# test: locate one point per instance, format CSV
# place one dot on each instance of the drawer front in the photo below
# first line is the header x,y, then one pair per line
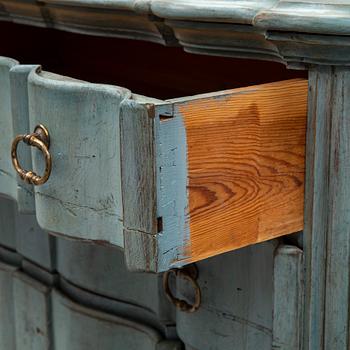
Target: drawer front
x,y
172,182
32,313
7,222
33,243
14,120
78,327
237,301
82,199
102,271
7,329
36,316
21,233
7,175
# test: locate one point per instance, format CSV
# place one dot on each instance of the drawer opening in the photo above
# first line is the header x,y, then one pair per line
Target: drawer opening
x,y
145,68
171,179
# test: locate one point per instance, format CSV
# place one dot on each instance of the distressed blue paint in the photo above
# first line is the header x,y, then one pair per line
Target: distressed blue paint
x,y
20,122
327,210
8,181
82,197
172,180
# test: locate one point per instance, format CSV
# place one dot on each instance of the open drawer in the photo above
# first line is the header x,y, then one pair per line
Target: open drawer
x,y
171,182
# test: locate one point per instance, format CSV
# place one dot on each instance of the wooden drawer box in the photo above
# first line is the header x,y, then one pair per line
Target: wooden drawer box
x,y
171,182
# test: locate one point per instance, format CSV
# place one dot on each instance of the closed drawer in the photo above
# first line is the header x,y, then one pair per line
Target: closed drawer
x,y
78,327
7,318
39,317
171,182
32,313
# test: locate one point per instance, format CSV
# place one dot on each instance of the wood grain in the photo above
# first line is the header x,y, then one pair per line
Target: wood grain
x,y
327,211
246,163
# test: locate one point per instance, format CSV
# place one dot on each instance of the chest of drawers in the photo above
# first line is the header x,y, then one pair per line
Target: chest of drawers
x,y
124,185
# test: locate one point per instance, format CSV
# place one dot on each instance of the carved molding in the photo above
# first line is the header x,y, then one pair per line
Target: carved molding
x,y
236,28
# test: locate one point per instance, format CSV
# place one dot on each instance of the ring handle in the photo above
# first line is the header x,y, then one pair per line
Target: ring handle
x,y
190,274
40,139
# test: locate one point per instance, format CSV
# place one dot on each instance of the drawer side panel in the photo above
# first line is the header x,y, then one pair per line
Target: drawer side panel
x,y
245,159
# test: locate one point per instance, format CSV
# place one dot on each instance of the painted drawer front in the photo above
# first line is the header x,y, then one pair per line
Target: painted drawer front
x,y
77,327
38,316
82,199
20,232
7,320
7,174
240,315
7,222
101,270
33,243
14,120
32,313
172,182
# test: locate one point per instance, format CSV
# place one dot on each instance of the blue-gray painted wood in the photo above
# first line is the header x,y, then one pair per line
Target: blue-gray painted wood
x,y
123,307
82,197
7,320
20,123
139,204
32,313
289,15
14,120
154,215
33,243
28,302
39,273
172,190
237,301
302,51
8,181
235,28
327,210
288,281
307,16
224,39
238,11
101,270
10,256
7,223
21,233
77,327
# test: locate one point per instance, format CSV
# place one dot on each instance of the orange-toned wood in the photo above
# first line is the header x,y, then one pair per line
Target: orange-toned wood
x,y
246,150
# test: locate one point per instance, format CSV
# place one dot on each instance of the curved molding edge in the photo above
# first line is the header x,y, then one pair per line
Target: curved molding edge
x,y
222,27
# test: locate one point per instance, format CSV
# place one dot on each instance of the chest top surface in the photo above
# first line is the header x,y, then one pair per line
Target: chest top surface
x,y
293,32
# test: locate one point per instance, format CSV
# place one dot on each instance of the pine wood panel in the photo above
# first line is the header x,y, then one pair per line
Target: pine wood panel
x,y
245,153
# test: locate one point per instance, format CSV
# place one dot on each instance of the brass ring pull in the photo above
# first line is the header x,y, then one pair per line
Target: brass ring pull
x,y
40,139
190,274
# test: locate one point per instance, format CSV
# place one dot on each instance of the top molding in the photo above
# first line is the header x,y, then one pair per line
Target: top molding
x,y
260,29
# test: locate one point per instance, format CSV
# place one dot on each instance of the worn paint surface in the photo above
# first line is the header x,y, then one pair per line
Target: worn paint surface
x,y
239,28
8,181
77,327
32,313
7,319
82,198
288,292
327,210
20,123
237,301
